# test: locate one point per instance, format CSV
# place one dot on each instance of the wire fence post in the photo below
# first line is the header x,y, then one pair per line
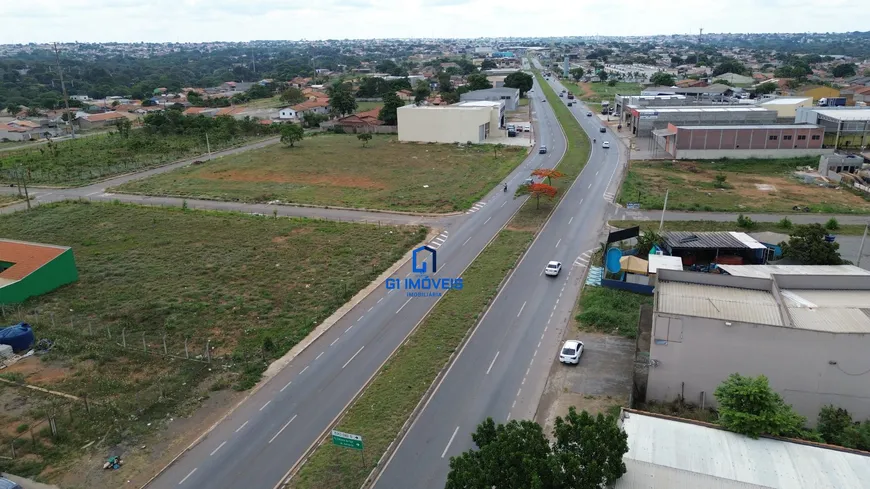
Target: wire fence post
x,y
90,329
108,332
123,338
144,346
208,351
13,448
165,351
52,318
186,353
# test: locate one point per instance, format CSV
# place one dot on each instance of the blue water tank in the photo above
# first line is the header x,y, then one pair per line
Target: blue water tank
x,y
19,336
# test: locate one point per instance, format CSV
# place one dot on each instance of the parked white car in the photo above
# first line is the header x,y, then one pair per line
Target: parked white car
x,y
571,351
553,268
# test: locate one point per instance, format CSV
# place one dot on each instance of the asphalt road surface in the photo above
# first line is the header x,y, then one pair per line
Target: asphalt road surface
x,y
502,370
259,442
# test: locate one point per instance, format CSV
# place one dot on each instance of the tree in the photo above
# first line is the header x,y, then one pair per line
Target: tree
x,y
602,75
450,97
444,83
836,427
477,81
807,245
341,101
421,92
691,59
662,79
588,450
292,96
676,60
748,405
547,173
13,109
730,65
313,119
844,70
388,114
576,73
488,64
646,241
765,88
291,133
124,126
523,81
365,138
148,103
536,191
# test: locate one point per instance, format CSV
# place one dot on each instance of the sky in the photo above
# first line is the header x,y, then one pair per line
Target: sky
x,y
244,20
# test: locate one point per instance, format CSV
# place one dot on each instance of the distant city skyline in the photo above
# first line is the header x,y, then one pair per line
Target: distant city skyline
x,y
42,21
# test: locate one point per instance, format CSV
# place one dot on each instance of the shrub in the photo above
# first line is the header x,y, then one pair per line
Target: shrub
x,y
785,223
745,222
832,225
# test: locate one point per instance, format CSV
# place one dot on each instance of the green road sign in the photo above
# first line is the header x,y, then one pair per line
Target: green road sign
x,y
347,440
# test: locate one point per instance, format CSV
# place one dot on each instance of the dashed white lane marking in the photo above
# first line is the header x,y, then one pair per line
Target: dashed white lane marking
x,y
348,329
569,220
492,363
354,356
283,428
503,203
285,386
508,417
590,186
243,425
539,344
518,391
487,220
379,300
581,201
405,304
370,309
557,242
318,356
527,371
360,318
523,382
335,341
264,405
218,448
187,476
597,172
304,369
535,354
467,240
449,442
521,309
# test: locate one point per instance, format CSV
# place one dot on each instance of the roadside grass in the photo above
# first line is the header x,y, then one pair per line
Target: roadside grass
x,y
253,286
708,226
524,102
364,106
336,170
596,92
529,217
266,103
610,311
385,405
80,161
753,185
9,198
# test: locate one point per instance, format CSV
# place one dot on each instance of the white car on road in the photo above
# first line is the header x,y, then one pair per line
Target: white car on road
x,y
605,144
571,351
553,268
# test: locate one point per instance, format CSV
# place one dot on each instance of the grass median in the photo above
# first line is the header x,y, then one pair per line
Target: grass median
x,y
385,405
531,217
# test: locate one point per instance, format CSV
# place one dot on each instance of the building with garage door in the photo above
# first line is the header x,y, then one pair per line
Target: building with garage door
x,y
808,332
32,269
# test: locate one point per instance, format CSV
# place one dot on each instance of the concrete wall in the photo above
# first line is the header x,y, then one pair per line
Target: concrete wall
x,y
788,110
445,124
56,273
510,103
715,154
808,368
749,138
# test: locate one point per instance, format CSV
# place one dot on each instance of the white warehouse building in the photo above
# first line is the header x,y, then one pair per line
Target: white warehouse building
x,y
459,123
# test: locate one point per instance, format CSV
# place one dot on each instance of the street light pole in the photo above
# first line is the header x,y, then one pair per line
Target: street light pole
x,y
664,207
861,248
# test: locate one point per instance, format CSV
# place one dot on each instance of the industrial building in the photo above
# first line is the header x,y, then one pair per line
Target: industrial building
x,y
845,127
809,333
32,269
510,96
643,120
465,122
668,452
786,107
620,102
711,93
754,141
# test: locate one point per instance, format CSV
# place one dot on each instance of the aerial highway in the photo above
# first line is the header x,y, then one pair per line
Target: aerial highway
x,y
256,445
502,369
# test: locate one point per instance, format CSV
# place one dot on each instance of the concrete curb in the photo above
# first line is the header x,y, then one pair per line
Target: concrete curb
x,y
276,366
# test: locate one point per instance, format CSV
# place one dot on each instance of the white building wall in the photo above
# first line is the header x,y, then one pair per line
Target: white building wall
x,y
444,124
809,369
788,110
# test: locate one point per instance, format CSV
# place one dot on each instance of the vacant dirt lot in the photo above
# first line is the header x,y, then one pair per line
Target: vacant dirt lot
x,y
749,186
337,170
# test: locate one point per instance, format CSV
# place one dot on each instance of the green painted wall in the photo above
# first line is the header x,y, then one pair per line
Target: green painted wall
x,y
56,273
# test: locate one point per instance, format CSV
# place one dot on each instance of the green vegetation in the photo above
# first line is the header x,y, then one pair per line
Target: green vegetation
x,y
532,215
364,106
808,246
272,102
165,138
380,412
751,185
183,274
596,92
784,226
6,199
335,170
611,311
747,405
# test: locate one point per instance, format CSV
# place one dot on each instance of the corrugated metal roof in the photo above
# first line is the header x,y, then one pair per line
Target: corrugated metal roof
x,y
704,109
645,475
835,311
748,240
749,127
850,114
689,239
667,262
718,453
765,271
710,301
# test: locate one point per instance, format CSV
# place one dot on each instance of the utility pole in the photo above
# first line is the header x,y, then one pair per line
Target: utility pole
x,y
207,145
861,248
664,207
65,95
254,59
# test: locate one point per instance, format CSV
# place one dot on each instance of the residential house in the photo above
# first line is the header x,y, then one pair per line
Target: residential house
x,y
25,130
297,111
856,93
734,78
817,92
80,98
93,121
300,82
406,95
362,122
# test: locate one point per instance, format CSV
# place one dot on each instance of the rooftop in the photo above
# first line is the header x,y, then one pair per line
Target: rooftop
x,y
713,89
787,100
25,258
717,302
765,271
725,239
848,114
705,109
688,454
775,127
478,103
494,91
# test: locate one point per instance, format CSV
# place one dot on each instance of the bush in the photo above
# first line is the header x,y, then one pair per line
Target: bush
x,y
832,225
745,222
719,181
748,405
785,223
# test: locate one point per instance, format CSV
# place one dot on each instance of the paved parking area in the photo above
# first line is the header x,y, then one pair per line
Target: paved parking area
x,y
602,378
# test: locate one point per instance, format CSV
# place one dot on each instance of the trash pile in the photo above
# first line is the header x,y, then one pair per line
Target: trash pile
x,y
113,463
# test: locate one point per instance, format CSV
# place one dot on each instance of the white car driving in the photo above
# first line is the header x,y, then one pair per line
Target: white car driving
x,y
605,144
553,268
571,351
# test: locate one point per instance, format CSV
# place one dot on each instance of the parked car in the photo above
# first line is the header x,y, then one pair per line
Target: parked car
x,y
553,268
605,144
542,150
571,351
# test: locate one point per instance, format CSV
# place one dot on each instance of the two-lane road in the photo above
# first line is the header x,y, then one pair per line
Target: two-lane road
x,y
256,445
502,370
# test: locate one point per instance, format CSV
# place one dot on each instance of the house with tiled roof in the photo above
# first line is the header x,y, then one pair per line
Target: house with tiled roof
x,y
361,122
297,111
230,111
300,82
91,121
